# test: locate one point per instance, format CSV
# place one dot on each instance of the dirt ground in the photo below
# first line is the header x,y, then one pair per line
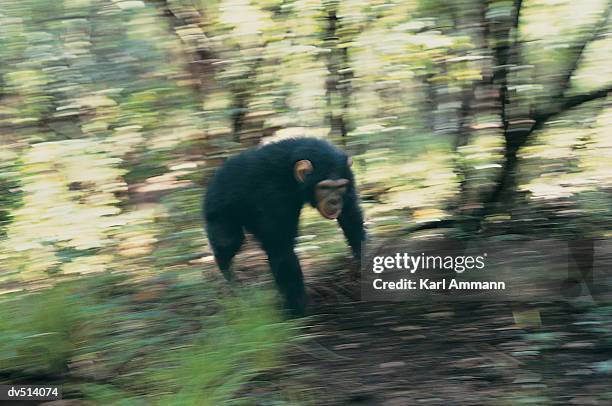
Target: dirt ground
x,y
442,352
457,353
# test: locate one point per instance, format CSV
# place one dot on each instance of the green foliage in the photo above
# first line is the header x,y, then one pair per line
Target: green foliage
x,y
39,332
248,339
89,324
10,193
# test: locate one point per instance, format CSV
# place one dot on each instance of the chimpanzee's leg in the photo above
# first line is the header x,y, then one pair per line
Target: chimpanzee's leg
x,y
226,239
277,231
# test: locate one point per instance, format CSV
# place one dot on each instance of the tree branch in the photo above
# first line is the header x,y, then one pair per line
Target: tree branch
x,y
431,225
578,51
61,18
569,103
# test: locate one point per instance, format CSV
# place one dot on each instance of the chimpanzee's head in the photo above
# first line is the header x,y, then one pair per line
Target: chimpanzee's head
x,y
326,182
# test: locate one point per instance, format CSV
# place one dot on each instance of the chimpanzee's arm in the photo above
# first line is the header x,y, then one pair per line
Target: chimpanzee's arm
x,y
351,222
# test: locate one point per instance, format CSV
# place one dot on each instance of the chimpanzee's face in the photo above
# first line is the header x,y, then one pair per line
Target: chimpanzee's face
x,y
328,193
329,196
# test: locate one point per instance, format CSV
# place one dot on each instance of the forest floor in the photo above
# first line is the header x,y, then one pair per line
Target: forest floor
x,y
438,352
428,350
459,353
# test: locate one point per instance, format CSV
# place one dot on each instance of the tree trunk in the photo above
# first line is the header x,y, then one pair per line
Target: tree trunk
x,y
338,83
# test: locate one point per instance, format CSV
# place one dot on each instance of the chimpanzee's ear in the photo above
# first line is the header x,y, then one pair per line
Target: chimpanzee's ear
x,y
301,169
349,161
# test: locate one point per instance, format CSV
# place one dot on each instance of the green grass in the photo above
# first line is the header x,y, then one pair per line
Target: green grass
x,y
188,345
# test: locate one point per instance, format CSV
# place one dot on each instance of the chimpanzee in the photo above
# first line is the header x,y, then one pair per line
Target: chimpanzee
x,y
262,190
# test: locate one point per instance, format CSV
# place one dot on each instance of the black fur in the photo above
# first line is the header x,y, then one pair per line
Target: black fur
x,y
257,191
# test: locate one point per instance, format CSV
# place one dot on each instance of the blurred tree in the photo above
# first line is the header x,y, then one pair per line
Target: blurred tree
x,y
338,82
505,90
520,121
